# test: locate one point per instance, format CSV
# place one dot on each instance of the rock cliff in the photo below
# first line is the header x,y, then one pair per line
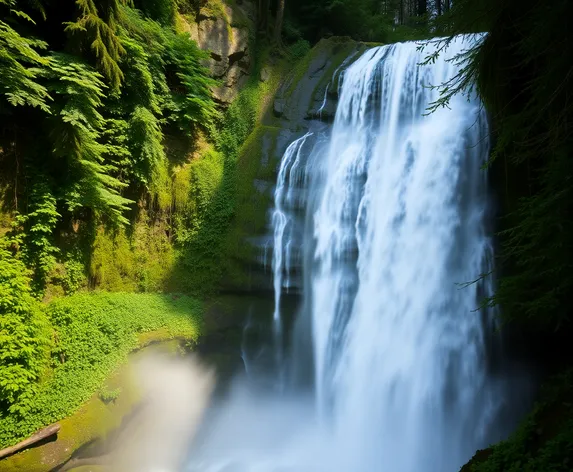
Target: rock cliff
x,y
226,33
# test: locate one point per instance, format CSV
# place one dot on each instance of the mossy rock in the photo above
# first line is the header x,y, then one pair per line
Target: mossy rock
x,y
304,89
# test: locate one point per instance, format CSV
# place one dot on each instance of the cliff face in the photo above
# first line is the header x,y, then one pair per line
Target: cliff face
x,y
226,32
290,113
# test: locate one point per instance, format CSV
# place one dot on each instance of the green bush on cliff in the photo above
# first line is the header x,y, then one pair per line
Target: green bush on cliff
x,y
544,440
85,111
92,335
202,228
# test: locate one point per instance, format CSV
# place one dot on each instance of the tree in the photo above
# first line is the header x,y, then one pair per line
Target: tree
x,y
279,21
263,16
97,26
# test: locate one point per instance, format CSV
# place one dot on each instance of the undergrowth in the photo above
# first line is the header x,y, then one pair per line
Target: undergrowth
x,y
92,335
544,440
202,229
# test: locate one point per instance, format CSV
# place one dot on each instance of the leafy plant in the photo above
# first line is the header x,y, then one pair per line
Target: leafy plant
x,y
108,396
20,63
34,232
93,333
24,337
96,26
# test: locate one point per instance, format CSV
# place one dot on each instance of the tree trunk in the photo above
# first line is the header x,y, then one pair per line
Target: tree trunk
x,y
279,21
439,7
422,7
263,16
36,437
447,5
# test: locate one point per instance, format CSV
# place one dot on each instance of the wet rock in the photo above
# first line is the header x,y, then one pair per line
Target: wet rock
x,y
323,111
279,108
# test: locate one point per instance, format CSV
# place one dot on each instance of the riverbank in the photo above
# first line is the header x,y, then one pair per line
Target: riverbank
x,y
87,385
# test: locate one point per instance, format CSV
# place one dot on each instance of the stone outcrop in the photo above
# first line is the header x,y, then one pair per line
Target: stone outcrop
x,y
304,102
224,32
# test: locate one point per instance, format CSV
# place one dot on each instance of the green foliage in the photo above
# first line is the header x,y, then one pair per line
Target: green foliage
x,y
192,101
239,120
96,26
98,146
108,396
201,228
136,262
544,440
522,73
162,11
145,138
74,134
20,64
74,274
299,49
167,73
34,232
365,20
93,333
23,337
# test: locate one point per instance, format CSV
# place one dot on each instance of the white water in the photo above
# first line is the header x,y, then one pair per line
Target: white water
x,y
396,221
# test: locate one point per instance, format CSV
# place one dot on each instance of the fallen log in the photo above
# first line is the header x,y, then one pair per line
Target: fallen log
x,y
35,438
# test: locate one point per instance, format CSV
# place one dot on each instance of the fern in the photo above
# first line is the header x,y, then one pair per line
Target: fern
x,y
192,98
34,232
20,64
96,25
146,146
75,135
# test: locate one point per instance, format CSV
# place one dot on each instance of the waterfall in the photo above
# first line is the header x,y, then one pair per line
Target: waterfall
x,y
395,207
402,212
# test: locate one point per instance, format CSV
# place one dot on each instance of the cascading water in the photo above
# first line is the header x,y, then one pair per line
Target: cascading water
x,y
288,181
396,213
402,211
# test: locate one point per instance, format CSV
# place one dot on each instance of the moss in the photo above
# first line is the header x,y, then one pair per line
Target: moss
x,y
136,262
210,244
340,46
257,161
215,8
